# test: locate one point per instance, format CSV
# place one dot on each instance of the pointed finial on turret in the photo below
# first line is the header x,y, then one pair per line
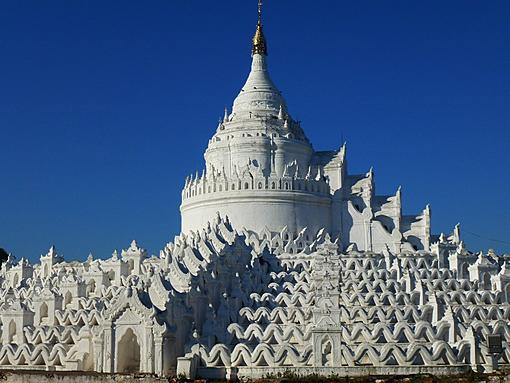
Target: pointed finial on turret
x,y
225,116
342,152
398,195
456,233
280,113
259,41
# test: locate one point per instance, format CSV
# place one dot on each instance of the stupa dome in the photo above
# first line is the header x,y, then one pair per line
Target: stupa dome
x,y
259,97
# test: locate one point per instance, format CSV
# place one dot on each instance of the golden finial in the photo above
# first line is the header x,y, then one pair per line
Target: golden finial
x,y
259,41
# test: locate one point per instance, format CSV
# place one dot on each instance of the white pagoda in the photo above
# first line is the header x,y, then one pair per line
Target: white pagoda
x,y
286,262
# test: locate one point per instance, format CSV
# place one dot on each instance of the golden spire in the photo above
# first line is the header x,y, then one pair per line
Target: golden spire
x,y
259,41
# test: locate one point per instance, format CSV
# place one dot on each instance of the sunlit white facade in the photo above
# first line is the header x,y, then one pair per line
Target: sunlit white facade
x,y
285,262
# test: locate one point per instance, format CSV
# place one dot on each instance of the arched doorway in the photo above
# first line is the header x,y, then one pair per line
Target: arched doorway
x,y
12,332
91,287
43,313
327,352
464,272
128,354
68,297
487,281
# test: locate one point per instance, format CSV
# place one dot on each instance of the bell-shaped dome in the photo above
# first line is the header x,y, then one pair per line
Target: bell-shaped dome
x,y
259,97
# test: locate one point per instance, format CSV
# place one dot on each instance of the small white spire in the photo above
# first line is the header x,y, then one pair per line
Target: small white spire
x,y
456,233
52,252
343,150
370,173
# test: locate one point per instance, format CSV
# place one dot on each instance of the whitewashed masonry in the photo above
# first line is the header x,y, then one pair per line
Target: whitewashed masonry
x,y
285,262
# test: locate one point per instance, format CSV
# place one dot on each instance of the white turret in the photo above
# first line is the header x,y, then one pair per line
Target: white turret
x,y
272,178
265,156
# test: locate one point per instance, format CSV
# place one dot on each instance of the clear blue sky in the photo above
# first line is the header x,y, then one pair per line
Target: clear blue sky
x,y
106,106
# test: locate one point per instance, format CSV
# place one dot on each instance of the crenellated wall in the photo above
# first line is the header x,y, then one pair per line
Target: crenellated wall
x,y
272,202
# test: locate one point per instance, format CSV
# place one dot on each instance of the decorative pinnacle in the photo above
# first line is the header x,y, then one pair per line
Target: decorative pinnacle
x,y
259,41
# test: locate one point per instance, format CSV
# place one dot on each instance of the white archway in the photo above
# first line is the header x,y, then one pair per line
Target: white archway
x,y
327,352
487,281
128,353
91,287
12,332
68,297
43,313
464,272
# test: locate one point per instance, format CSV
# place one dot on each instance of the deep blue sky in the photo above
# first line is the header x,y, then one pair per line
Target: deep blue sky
x,y
106,106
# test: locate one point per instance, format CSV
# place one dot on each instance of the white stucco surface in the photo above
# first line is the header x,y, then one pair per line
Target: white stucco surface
x,y
286,261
